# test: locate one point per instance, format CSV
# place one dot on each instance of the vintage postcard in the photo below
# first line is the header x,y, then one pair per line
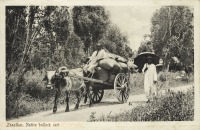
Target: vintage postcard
x,y
100,64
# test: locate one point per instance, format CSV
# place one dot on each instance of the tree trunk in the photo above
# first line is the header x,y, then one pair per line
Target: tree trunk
x,y
21,68
13,42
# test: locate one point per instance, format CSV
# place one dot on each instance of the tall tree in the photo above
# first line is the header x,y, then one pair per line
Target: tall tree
x,y
90,22
172,34
15,36
22,29
72,46
60,24
146,45
60,30
55,31
115,41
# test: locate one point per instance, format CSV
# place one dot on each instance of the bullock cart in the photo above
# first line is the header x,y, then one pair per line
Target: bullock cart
x,y
118,81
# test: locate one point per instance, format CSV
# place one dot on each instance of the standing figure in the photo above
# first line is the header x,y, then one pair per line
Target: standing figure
x,y
150,79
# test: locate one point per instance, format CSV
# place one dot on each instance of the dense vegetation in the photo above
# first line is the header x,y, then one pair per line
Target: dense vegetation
x,y
171,107
172,35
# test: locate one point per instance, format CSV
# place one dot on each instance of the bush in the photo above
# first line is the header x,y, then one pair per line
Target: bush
x,y
26,105
32,96
171,107
10,104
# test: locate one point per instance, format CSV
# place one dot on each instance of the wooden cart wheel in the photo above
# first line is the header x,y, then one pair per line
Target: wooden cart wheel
x,y
97,95
121,87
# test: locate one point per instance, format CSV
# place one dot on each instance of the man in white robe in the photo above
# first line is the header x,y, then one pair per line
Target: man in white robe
x,y
97,55
150,79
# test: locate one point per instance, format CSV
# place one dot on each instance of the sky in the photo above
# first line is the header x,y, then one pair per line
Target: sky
x,y
135,21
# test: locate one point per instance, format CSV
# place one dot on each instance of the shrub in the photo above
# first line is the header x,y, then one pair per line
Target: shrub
x,y
32,96
171,107
26,105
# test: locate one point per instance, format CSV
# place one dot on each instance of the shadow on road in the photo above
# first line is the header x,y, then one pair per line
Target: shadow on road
x,y
104,103
136,103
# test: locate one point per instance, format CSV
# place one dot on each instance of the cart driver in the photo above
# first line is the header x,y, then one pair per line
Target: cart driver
x,y
91,64
97,55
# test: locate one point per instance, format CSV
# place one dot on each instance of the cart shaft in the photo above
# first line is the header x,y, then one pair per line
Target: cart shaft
x,y
90,79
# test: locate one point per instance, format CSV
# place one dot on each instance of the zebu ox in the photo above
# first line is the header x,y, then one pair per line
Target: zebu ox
x,y
62,82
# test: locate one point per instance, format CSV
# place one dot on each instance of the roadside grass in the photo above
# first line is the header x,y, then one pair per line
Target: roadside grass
x,y
171,107
34,97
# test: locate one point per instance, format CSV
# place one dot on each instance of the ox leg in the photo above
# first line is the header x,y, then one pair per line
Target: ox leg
x,y
90,98
78,97
87,91
67,101
56,100
85,98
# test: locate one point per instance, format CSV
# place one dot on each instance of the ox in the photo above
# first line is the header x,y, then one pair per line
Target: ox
x,y
62,82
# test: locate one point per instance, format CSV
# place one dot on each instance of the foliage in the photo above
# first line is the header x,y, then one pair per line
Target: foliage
x,y
90,22
27,105
33,96
15,36
115,41
46,32
74,45
171,107
145,46
172,33
61,24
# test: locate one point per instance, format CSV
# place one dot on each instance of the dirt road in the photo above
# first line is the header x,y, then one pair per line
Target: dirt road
x,y
105,107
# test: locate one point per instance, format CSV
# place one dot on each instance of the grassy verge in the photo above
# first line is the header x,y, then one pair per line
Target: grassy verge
x,y
171,107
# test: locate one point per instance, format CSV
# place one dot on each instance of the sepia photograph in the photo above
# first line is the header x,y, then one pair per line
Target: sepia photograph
x,y
99,63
